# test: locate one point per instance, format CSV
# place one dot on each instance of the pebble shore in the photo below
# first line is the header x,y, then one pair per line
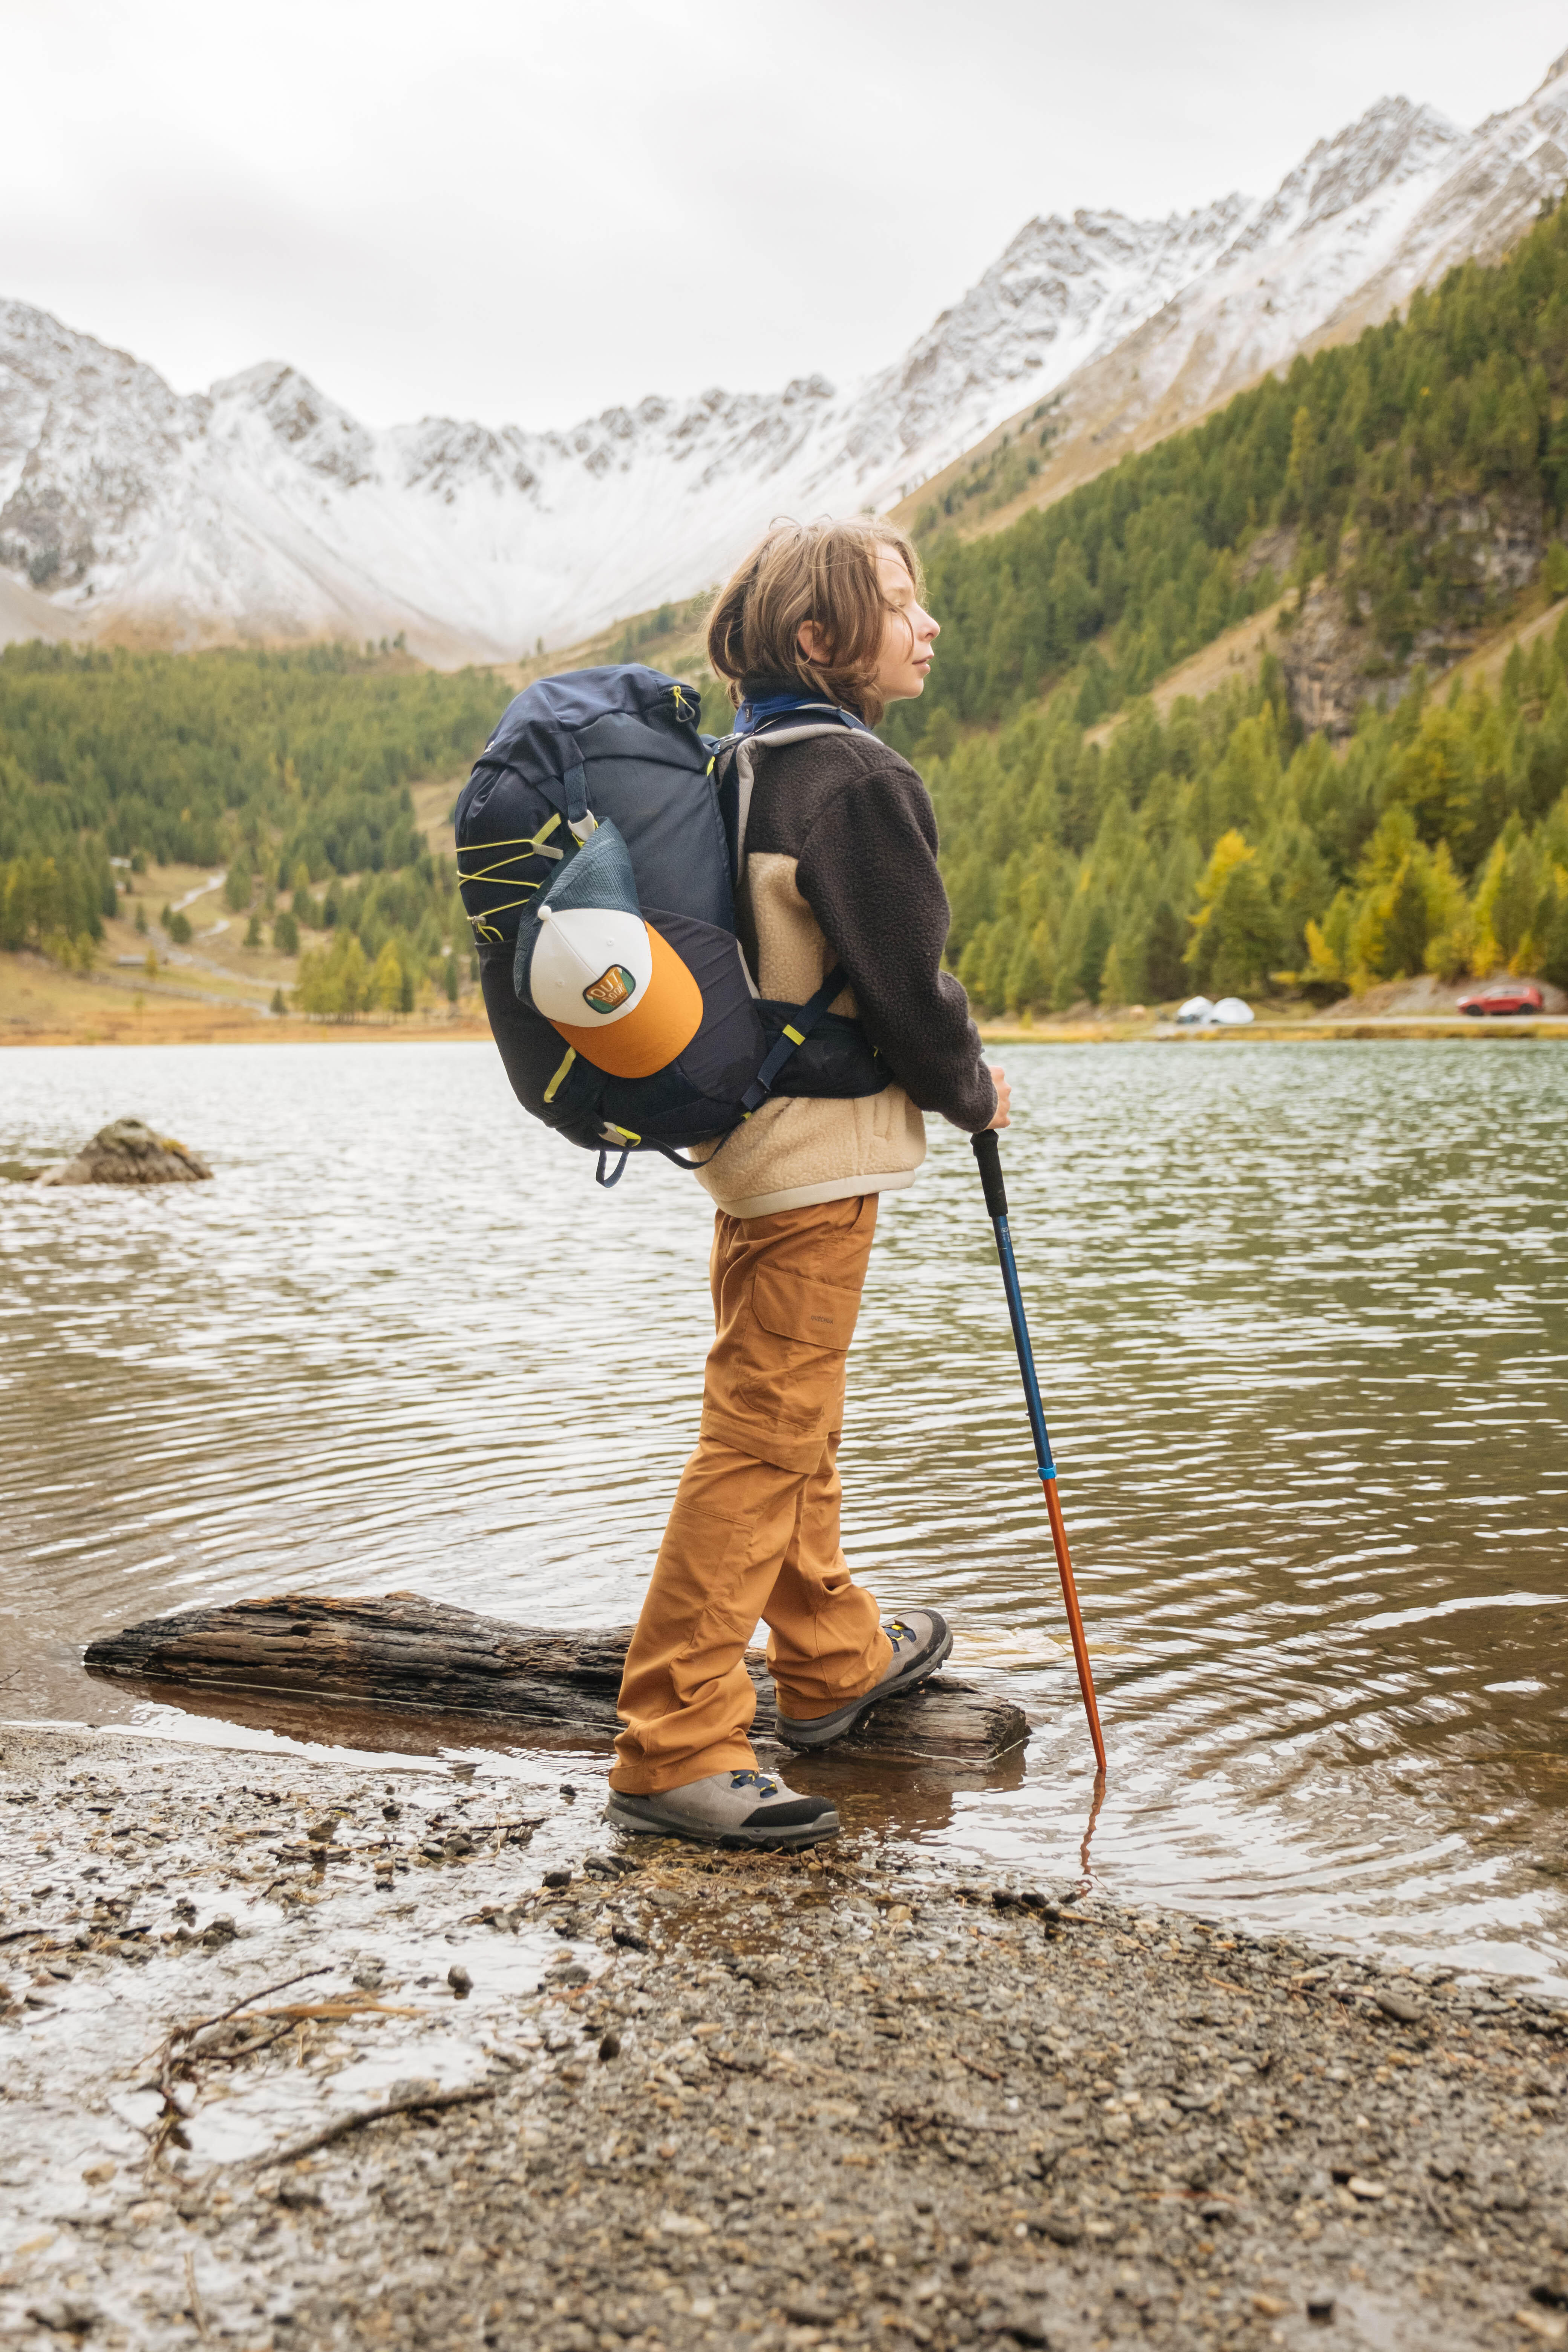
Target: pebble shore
x,y
299,2055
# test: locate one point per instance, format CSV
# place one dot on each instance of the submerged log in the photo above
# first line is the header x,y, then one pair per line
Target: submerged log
x,y
127,1151
401,1651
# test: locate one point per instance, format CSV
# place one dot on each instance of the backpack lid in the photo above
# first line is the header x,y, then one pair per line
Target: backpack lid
x,y
619,743
539,730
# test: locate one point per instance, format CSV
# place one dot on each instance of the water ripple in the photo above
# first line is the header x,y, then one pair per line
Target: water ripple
x,y
1302,1322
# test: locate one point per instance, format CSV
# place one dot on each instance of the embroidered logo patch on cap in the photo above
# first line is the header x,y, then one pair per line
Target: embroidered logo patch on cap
x,y
611,990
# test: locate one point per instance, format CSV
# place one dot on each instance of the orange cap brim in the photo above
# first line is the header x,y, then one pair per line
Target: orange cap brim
x,y
650,1036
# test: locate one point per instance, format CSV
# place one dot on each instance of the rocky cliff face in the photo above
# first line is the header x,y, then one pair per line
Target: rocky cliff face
x,y
262,509
1331,659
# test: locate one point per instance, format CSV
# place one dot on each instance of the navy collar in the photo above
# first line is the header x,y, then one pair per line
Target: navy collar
x,y
768,708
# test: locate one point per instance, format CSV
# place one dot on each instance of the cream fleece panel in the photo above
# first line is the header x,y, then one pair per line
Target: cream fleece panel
x,y
801,1148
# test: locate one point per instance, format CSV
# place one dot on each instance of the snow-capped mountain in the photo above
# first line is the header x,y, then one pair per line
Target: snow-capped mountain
x,y
1366,218
261,509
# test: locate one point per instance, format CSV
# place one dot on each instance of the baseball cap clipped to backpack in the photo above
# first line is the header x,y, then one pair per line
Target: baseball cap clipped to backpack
x,y
607,982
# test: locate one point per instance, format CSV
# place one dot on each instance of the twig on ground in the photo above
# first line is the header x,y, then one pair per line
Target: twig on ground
x,y
197,2314
244,2049
354,2123
187,2033
178,2053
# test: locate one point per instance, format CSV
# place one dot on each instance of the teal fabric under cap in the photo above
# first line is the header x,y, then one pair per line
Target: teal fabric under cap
x,y
597,875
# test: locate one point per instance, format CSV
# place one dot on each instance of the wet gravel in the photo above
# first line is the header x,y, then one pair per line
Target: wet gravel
x,y
639,2096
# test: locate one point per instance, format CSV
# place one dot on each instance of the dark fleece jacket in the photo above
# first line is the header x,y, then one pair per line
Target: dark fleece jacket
x,y
840,867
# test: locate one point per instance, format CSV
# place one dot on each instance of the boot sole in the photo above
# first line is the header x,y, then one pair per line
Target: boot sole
x,y
829,1727
694,1833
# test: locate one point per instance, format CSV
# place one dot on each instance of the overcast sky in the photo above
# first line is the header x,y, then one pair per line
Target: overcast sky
x,y
528,211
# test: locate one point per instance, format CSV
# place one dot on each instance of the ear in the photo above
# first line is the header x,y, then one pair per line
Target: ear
x,y
812,643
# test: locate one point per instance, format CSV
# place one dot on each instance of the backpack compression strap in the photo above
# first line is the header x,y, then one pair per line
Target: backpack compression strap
x,y
796,1033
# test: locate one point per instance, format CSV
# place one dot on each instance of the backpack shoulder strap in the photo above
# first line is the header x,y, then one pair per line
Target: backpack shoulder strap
x,y
743,750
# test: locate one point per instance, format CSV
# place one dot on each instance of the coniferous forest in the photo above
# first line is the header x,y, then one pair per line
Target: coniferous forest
x,y
1395,481
1398,497
290,769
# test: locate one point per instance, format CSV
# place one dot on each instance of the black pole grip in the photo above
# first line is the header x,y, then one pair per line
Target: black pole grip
x,y
988,1159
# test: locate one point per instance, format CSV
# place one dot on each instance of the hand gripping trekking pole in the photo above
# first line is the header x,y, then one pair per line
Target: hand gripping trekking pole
x,y
988,1155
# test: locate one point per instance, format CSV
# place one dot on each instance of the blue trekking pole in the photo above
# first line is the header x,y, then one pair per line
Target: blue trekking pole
x,y
988,1157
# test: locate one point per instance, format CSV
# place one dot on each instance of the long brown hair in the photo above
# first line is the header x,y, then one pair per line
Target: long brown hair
x,y
823,572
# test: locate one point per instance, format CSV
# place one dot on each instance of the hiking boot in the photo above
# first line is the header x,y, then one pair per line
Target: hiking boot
x,y
921,1642
729,1809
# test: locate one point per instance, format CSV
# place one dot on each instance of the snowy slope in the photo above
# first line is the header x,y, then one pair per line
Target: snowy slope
x,y
260,509
1389,205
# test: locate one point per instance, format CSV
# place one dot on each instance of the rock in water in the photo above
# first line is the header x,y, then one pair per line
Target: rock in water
x,y
128,1152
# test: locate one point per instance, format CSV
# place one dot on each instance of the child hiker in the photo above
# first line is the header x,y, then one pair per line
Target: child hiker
x,y
839,869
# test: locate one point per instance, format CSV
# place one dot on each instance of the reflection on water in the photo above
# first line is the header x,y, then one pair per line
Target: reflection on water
x,y
1301,1317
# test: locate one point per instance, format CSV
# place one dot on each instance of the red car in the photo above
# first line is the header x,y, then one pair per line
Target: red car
x,y
1504,996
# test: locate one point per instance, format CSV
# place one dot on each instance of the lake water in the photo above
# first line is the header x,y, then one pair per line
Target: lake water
x,y
1301,1314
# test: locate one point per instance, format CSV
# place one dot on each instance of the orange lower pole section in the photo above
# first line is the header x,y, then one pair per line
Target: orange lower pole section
x,y
1075,1621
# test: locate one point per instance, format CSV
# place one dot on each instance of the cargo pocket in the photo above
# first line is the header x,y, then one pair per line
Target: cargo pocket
x,y
794,1306
785,1384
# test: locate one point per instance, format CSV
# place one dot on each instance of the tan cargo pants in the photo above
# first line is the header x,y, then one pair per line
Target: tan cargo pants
x,y
755,1530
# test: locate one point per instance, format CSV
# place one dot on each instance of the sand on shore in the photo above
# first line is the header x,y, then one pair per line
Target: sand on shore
x,y
42,1006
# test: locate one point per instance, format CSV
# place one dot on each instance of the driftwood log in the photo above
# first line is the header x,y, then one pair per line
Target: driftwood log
x,y
405,1652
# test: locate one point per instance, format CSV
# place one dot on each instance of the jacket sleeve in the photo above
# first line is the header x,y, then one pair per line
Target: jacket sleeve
x,y
867,871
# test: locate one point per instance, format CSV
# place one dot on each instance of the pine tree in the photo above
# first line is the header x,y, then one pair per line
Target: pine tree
x,y
1167,973
1513,904
1246,934
1404,925
1096,948
1552,919
386,980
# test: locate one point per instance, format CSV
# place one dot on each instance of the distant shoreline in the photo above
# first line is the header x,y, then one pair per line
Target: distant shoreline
x,y
210,1028
256,1031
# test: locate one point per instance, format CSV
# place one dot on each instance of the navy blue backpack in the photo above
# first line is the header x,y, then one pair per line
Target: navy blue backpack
x,y
621,747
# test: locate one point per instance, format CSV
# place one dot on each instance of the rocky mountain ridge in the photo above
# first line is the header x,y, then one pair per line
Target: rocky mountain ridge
x,y
1387,205
263,509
